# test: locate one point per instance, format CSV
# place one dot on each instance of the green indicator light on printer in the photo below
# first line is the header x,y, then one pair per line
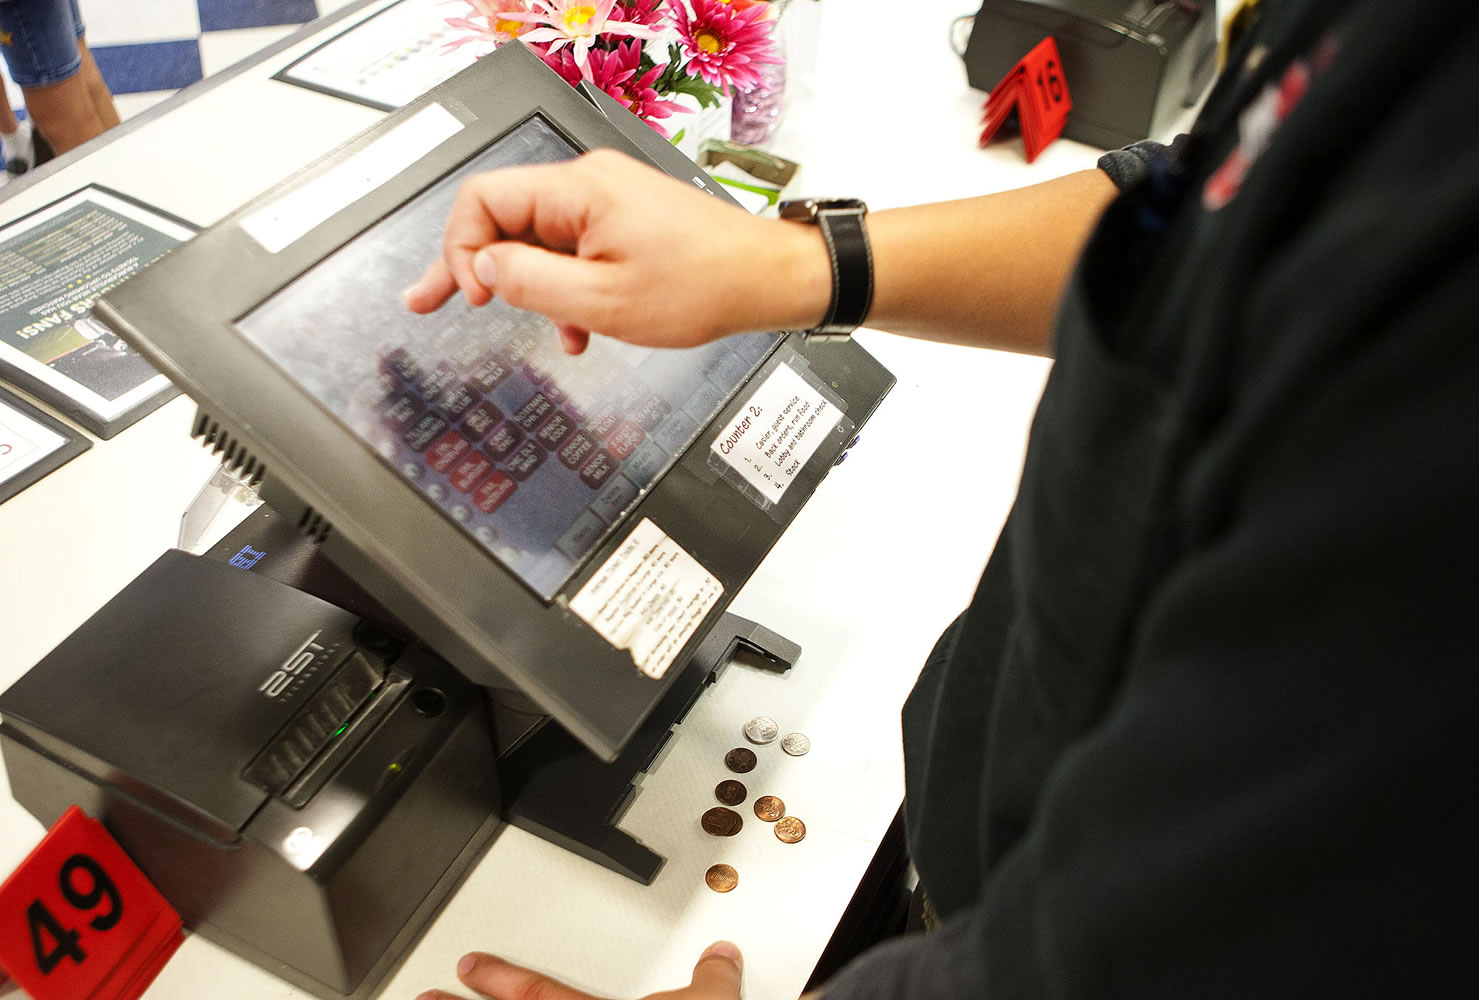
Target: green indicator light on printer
x,y
340,730
395,769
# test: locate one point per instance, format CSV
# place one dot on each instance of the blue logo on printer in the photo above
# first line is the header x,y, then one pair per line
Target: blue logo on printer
x,y
246,558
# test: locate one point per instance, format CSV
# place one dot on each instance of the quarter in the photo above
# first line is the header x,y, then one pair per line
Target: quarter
x,y
721,822
740,760
721,878
790,830
769,808
730,792
796,744
762,730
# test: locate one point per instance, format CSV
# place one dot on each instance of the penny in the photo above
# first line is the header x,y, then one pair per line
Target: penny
x,y
740,760
762,730
769,808
789,829
796,744
730,792
721,822
721,878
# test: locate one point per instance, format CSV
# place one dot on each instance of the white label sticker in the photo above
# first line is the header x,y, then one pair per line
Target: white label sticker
x,y
648,598
296,212
780,427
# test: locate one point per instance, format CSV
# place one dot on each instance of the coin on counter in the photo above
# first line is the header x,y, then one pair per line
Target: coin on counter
x,y
769,808
740,760
796,744
721,822
730,792
762,730
721,878
789,829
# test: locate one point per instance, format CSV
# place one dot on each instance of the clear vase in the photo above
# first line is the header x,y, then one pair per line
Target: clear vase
x,y
758,112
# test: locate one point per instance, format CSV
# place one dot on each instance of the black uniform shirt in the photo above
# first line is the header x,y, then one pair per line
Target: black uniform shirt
x,y
1208,726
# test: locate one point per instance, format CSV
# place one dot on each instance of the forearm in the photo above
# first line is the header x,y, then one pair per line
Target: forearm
x,y
985,271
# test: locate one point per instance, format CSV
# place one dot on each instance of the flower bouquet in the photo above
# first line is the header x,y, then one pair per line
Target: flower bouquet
x,y
641,52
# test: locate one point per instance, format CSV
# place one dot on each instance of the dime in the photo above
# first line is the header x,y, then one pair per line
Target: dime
x,y
789,829
721,822
740,760
730,792
796,744
762,730
721,878
769,808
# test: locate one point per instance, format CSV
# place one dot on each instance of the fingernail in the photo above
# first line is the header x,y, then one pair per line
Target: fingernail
x,y
725,949
466,964
484,268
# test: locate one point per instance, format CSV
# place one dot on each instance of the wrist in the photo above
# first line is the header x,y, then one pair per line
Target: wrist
x,y
802,277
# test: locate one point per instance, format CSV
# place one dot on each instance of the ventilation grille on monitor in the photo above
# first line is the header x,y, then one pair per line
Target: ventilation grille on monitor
x,y
234,455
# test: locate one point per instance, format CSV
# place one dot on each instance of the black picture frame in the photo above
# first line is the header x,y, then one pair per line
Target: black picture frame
x,y
56,386
72,444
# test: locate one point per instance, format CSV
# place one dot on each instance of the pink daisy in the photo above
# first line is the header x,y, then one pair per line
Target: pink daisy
x,y
724,44
647,12
615,72
576,23
488,22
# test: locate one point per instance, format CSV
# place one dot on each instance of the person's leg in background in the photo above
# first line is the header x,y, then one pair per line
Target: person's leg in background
x,y
65,94
17,148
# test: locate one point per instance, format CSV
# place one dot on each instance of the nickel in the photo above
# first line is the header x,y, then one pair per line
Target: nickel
x,y
796,744
790,830
762,730
721,878
721,822
740,760
730,792
769,808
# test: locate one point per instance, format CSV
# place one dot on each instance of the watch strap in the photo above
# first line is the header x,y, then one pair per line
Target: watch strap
x,y
846,237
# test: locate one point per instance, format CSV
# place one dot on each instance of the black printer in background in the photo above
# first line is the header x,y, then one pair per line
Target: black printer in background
x,y
1132,66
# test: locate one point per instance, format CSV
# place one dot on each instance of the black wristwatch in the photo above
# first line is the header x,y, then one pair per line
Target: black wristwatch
x,y
841,222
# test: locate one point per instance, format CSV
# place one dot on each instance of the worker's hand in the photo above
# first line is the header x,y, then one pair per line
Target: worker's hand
x,y
608,244
715,977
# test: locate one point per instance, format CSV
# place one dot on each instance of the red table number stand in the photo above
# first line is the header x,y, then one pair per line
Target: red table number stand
x,y
78,921
1036,90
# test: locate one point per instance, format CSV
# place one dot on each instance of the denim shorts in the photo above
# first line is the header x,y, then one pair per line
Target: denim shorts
x,y
39,39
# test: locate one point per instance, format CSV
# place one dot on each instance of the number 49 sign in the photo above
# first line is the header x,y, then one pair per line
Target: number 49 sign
x,y
79,920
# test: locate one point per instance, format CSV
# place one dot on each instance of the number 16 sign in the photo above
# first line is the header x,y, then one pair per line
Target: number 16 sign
x,y
1036,90
78,921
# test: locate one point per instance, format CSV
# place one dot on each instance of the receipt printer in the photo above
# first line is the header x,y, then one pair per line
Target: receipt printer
x,y
1131,65
301,787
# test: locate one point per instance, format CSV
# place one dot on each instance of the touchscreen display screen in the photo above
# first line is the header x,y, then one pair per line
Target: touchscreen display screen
x,y
534,453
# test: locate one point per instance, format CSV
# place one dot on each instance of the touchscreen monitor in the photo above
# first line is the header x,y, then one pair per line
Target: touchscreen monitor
x,y
570,527
535,454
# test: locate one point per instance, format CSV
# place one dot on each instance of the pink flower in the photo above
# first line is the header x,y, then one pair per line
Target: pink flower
x,y
576,23
488,21
647,12
615,72
725,43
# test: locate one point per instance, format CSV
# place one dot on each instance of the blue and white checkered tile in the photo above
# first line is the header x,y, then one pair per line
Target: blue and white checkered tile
x,y
148,49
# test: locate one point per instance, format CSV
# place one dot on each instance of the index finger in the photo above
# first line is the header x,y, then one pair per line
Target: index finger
x,y
500,980
533,204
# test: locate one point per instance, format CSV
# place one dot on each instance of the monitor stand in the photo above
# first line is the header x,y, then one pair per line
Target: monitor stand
x,y
551,786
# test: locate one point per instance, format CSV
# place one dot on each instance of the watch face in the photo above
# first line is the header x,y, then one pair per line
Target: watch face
x,y
800,210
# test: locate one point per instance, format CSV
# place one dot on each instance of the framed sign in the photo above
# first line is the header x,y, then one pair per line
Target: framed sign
x,y
390,58
32,444
53,263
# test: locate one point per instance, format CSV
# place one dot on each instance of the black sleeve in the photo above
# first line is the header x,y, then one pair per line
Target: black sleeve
x,y
1130,165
